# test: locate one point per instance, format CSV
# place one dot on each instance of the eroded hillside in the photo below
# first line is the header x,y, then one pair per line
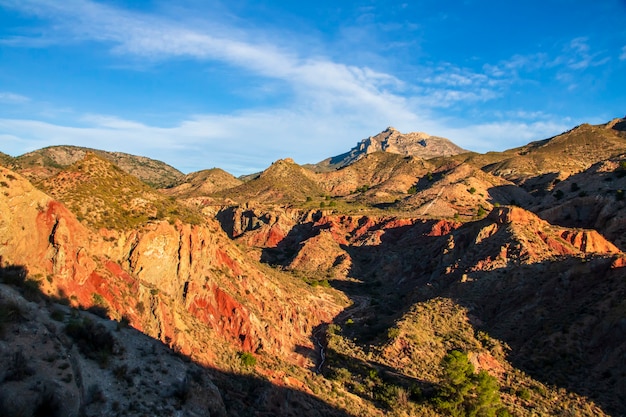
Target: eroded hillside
x,y
348,292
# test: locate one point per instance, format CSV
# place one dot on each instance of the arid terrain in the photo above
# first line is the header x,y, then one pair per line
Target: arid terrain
x,y
404,277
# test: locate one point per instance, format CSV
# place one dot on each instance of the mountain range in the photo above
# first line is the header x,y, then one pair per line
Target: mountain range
x,y
355,286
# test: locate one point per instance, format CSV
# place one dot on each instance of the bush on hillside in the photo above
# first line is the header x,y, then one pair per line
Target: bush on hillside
x,y
465,393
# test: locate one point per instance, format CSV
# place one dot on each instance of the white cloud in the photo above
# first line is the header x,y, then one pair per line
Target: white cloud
x,y
622,57
337,104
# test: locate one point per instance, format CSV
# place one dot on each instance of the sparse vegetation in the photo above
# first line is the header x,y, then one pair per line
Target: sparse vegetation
x,y
93,340
104,196
10,312
57,315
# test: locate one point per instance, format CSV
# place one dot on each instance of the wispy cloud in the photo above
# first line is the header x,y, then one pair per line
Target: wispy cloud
x,y
316,81
12,98
578,56
622,57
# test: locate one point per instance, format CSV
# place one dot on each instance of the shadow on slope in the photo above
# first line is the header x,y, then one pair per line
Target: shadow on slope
x,y
48,380
563,319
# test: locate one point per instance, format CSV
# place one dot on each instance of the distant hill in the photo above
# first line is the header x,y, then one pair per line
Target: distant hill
x,y
282,182
203,182
591,199
379,172
536,165
462,191
5,159
391,140
46,162
102,195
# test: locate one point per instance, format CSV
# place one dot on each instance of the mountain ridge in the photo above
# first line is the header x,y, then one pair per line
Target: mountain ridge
x,y
45,162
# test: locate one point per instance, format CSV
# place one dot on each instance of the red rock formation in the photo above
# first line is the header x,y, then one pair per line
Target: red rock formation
x,y
163,277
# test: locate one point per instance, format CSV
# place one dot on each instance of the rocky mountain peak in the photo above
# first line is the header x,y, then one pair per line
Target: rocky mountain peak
x,y
391,140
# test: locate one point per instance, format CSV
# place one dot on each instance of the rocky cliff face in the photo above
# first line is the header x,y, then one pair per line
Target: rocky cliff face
x,y
183,284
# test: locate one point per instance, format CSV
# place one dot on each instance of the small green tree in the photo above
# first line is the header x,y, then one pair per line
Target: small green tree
x,y
457,383
466,394
487,396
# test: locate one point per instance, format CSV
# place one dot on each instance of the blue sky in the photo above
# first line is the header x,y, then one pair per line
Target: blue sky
x,y
238,84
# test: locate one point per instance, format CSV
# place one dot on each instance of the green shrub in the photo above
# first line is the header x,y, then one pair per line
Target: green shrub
x,y
247,359
471,190
393,333
523,393
333,329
